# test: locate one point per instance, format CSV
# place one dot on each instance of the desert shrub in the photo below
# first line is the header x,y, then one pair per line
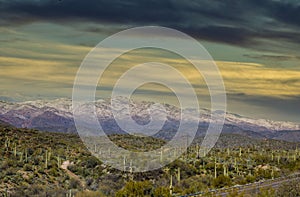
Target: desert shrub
x,y
221,181
89,194
161,192
74,184
135,189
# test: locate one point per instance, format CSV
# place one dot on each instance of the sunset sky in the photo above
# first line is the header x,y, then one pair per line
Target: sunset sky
x,y
255,43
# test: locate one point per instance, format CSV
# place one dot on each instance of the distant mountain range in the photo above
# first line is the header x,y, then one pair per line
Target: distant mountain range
x,y
56,116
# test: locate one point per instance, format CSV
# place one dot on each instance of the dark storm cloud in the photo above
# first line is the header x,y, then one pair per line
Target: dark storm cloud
x,y
97,10
287,11
231,35
228,21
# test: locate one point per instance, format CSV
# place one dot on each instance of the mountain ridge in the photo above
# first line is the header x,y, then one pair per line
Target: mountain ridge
x,y
56,115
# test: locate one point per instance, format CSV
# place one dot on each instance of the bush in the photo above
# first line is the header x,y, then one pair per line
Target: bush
x,y
135,189
221,181
162,192
74,184
89,194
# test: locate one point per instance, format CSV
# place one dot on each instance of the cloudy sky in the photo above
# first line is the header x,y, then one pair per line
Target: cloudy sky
x,y
255,43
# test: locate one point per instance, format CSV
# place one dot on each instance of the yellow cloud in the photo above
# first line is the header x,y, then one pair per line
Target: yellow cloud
x,y
43,70
239,77
59,63
256,79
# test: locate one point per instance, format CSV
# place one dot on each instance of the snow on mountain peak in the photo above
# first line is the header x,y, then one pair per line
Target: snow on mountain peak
x,y
30,113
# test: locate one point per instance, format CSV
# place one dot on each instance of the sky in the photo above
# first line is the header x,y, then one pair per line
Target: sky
x,y
255,44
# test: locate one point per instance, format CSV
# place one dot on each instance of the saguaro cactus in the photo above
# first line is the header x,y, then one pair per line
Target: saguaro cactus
x,y
15,149
95,148
46,159
49,155
171,185
124,163
175,152
235,163
26,155
178,174
130,167
58,161
69,194
215,167
197,151
21,156
225,171
7,143
204,151
5,193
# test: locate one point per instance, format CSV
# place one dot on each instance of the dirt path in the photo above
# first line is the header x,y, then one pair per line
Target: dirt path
x,y
64,166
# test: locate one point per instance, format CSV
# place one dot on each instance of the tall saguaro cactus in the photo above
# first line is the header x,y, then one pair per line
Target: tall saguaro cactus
x,y
15,149
26,155
5,193
171,185
58,161
124,163
215,167
197,151
225,171
235,163
21,156
95,148
7,143
49,155
272,173
130,167
69,194
175,152
46,159
178,174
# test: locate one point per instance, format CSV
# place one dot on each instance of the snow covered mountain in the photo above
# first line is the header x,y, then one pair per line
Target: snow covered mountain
x,y
56,115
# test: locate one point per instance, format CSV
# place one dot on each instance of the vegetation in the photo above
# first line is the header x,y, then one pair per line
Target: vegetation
x,y
36,163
